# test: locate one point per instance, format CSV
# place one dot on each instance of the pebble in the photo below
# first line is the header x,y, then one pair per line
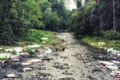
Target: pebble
x,y
26,63
35,60
11,75
27,69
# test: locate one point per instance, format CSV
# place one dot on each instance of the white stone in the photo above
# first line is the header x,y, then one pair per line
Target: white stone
x,y
9,49
5,55
44,38
112,67
35,60
48,51
26,63
34,46
18,49
101,43
27,69
11,75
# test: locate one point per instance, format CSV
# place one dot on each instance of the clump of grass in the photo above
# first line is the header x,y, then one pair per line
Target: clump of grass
x,y
94,40
13,52
34,36
31,51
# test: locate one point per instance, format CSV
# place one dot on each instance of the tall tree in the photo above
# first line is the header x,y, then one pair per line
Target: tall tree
x,y
114,26
6,32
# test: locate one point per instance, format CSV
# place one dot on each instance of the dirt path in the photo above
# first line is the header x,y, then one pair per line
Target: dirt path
x,y
81,65
75,63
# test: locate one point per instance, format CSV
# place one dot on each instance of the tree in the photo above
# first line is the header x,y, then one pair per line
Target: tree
x,y
51,20
58,6
82,23
12,28
114,26
6,32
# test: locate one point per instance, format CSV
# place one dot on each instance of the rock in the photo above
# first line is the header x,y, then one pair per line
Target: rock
x,y
67,73
18,50
2,73
106,63
43,42
112,67
44,76
88,64
16,60
101,43
61,66
11,75
115,62
114,73
14,57
26,63
9,49
44,38
91,78
34,46
24,54
111,50
16,66
35,60
67,78
96,70
38,50
117,75
4,56
46,58
26,69
48,51
40,56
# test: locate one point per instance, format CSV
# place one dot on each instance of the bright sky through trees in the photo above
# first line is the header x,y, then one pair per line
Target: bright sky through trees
x,y
70,4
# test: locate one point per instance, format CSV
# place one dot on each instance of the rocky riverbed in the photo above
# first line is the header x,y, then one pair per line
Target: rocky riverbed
x,y
77,61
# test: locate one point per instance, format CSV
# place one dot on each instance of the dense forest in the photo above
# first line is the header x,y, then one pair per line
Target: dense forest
x,y
95,17
18,16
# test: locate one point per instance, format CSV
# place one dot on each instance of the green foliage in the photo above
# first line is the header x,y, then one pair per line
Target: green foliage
x,y
62,12
110,34
94,41
44,4
31,51
18,16
34,36
30,11
11,27
51,20
2,50
92,18
6,35
81,20
13,52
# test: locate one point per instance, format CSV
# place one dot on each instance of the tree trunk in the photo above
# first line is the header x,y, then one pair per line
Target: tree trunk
x,y
114,26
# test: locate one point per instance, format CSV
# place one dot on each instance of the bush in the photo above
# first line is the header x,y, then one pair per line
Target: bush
x,y
14,52
110,34
31,51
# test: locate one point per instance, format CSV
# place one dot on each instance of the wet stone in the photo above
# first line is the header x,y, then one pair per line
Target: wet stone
x,y
64,57
2,73
67,78
60,66
67,73
44,76
41,68
96,70
46,58
91,78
